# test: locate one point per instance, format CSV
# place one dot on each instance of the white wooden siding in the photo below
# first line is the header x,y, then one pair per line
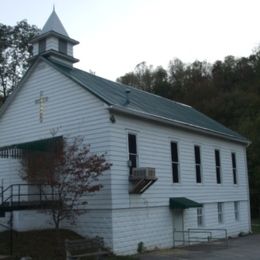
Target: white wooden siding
x,y
31,220
150,225
70,49
70,109
73,112
125,220
154,151
52,43
9,174
211,218
95,223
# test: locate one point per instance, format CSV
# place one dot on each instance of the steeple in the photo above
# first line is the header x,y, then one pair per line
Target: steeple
x,y
54,24
54,42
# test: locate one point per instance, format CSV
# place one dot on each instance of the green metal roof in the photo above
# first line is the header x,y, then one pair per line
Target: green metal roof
x,y
183,203
54,27
144,103
54,24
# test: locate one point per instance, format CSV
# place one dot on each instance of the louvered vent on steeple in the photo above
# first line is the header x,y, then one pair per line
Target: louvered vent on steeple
x,y
54,42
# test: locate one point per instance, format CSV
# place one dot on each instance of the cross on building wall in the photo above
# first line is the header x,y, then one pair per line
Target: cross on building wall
x,y
41,101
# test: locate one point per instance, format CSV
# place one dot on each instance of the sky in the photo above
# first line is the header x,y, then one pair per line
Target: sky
x,y
116,35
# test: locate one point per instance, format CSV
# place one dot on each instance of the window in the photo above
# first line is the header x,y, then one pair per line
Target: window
x,y
200,217
236,210
132,150
175,162
220,212
217,161
234,167
197,163
63,46
42,45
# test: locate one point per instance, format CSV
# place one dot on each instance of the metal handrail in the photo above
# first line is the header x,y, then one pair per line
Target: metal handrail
x,y
209,232
15,193
189,237
225,237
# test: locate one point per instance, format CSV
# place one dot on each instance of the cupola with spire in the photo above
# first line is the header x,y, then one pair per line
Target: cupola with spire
x,y
54,42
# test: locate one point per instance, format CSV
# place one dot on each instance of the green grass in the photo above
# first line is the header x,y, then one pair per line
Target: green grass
x,y
42,245
256,225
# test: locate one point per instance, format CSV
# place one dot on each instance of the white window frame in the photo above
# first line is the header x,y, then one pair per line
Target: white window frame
x,y
200,217
236,210
137,150
175,162
220,207
218,166
234,169
198,164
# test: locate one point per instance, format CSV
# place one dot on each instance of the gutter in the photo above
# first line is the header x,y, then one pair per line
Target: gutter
x,y
176,123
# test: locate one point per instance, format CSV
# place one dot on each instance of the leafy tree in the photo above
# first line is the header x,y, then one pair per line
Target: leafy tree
x,y
160,83
14,53
71,170
176,76
141,77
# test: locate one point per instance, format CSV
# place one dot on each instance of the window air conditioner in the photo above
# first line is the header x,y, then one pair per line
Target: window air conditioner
x,y
143,173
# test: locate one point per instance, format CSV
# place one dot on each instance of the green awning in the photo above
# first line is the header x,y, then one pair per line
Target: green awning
x,y
43,145
39,145
183,203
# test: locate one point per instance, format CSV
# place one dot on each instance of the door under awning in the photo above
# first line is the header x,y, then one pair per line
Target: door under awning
x,y
183,203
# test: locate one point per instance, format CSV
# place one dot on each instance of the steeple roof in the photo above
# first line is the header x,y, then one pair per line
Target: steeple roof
x,y
54,27
54,24
63,47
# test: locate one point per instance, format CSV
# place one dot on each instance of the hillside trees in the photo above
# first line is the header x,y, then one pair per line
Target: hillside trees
x,y
228,91
14,53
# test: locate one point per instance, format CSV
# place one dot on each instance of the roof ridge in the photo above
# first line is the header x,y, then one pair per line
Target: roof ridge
x,y
112,93
135,88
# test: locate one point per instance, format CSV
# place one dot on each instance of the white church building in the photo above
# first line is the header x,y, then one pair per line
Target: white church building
x,y
173,170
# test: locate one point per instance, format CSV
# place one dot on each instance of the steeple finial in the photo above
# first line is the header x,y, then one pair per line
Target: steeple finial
x,y
53,8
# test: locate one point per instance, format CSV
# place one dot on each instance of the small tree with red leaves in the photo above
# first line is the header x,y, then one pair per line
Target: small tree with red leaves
x,y
71,170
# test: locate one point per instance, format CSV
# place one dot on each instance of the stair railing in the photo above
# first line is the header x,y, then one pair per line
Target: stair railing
x,y
16,192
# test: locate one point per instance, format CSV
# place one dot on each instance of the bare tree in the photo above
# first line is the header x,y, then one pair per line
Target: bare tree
x,y
71,170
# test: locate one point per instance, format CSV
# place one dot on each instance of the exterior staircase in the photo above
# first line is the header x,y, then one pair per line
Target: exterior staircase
x,y
27,197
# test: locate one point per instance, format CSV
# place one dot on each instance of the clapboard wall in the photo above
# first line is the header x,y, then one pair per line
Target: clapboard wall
x,y
70,111
122,219
147,217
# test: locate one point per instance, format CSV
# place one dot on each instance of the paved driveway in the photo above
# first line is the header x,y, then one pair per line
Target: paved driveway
x,y
246,248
